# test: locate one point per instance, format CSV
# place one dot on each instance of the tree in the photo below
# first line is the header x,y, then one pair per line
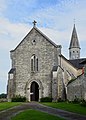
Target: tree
x,y
3,95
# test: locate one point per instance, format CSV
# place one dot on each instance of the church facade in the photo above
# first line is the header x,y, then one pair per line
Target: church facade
x,y
32,64
39,69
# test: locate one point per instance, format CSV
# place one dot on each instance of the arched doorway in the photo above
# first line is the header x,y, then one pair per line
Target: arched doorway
x,y
34,91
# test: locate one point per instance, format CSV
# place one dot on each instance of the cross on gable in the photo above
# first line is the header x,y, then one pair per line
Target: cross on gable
x,y
34,23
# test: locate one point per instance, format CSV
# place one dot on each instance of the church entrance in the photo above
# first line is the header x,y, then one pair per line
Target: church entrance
x,y
34,91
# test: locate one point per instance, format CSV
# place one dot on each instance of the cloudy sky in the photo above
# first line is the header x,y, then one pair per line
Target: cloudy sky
x,y
55,18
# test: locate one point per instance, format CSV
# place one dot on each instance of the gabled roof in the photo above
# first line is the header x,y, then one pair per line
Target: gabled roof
x,y
74,39
39,33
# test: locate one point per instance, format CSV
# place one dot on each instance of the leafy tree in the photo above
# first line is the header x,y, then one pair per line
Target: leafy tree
x,y
3,95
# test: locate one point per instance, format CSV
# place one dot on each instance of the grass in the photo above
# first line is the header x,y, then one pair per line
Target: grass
x,y
7,105
35,115
76,108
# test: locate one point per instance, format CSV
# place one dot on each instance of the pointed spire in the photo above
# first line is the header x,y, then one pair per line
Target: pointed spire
x,y
74,48
74,39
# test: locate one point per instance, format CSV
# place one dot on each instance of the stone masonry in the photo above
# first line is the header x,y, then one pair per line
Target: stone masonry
x,y
34,43
77,88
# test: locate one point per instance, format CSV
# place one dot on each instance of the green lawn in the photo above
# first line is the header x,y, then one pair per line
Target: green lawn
x,y
6,105
76,108
35,115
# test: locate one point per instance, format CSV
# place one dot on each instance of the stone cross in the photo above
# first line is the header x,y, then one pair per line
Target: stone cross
x,y
34,23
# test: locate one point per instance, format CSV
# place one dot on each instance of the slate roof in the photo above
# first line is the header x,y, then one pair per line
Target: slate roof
x,y
83,62
74,39
77,63
11,70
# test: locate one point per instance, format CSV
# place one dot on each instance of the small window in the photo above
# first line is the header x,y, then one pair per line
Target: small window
x,y
77,51
73,51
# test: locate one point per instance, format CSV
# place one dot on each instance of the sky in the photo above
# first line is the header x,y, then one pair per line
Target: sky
x,y
55,18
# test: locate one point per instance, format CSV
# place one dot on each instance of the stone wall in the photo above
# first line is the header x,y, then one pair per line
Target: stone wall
x,y
47,54
77,88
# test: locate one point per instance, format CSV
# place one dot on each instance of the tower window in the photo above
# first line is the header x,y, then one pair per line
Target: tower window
x,y
34,63
73,51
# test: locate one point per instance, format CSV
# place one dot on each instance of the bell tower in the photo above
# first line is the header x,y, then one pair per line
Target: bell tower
x,y
74,48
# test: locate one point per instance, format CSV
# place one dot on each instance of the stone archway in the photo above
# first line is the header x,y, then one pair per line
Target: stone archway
x,y
28,89
34,91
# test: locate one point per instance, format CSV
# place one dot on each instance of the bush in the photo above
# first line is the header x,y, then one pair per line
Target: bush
x,y
61,100
19,99
76,100
83,103
46,99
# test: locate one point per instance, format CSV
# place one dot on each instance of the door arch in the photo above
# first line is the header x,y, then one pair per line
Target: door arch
x,y
34,91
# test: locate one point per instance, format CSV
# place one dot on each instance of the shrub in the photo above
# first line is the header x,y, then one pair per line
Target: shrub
x,y
18,99
60,100
46,99
76,100
83,103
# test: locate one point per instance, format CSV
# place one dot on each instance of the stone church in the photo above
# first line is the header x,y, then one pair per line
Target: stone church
x,y
40,70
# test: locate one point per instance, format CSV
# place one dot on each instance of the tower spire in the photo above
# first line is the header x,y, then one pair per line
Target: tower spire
x,y
74,48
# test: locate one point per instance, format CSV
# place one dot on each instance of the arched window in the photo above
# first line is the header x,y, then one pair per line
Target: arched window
x,y
34,63
37,64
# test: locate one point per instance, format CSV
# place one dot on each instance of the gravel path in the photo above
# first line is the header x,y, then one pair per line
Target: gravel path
x,y
7,114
